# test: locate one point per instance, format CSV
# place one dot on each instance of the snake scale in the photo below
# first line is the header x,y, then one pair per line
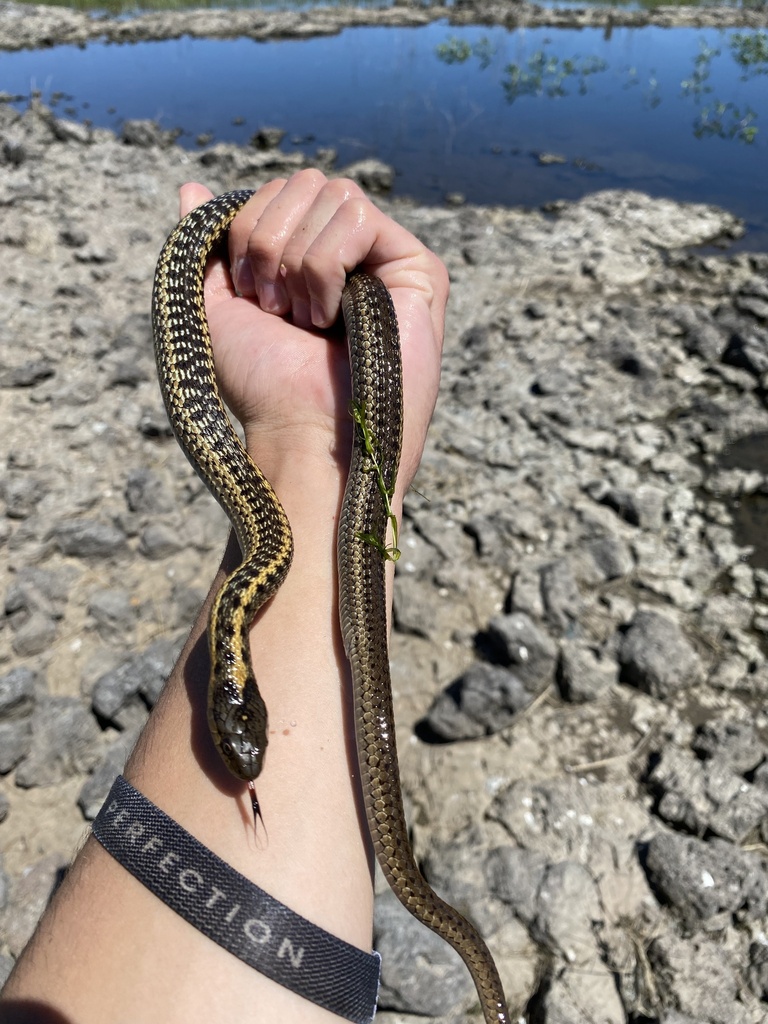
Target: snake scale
x,y
236,712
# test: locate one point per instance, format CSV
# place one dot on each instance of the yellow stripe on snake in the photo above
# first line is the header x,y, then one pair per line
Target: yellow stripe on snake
x,y
236,712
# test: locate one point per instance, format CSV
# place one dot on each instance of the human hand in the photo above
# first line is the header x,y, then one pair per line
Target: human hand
x,y
282,373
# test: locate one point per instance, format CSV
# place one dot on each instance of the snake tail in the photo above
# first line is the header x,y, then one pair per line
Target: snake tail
x,y
236,713
377,389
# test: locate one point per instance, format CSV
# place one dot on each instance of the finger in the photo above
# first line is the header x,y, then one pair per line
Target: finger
x,y
324,210
259,233
218,284
191,196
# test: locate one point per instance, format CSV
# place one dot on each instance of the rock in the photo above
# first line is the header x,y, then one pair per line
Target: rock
x,y
87,538
560,593
735,744
6,966
643,506
656,657
114,613
705,796
578,997
268,138
517,642
160,541
96,788
18,690
147,134
757,972
373,175
441,984
148,493
15,743
703,880
29,897
21,492
28,374
66,742
482,701
583,673
696,979
552,818
611,557
34,634
748,349
139,676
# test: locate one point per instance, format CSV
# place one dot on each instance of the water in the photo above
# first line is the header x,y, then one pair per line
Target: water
x,y
669,111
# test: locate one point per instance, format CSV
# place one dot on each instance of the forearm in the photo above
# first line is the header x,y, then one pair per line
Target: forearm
x,y
108,949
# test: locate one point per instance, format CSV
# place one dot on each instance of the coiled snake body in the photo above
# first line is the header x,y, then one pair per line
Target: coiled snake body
x,y
236,712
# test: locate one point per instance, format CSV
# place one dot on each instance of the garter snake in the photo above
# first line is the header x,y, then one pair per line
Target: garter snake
x,y
236,713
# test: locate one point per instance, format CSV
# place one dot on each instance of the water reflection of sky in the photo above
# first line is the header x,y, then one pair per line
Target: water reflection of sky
x,y
618,113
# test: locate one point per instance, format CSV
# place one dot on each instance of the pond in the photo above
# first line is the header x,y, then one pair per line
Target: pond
x,y
517,117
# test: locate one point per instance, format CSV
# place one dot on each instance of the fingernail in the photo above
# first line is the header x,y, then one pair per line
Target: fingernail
x,y
319,319
272,298
243,278
302,316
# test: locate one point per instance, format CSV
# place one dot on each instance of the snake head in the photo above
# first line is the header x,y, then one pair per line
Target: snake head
x,y
239,730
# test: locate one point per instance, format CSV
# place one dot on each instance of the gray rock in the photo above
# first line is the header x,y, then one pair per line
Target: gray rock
x,y
748,348
148,493
701,335
551,817
735,744
66,742
96,788
88,538
18,690
583,673
142,675
153,422
578,997
268,138
373,175
6,966
656,657
159,540
695,977
517,642
15,743
643,506
420,973
611,556
113,611
129,373
560,593
757,971
147,134
21,492
706,796
4,808
515,876
33,634
28,374
29,897
483,701
135,334
705,879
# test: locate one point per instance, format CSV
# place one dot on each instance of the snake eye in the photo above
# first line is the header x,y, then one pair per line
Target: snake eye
x,y
226,748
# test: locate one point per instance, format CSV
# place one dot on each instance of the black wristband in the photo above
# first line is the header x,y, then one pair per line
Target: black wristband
x,y
231,910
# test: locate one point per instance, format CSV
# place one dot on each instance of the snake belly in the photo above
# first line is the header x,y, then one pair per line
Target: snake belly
x,y
236,712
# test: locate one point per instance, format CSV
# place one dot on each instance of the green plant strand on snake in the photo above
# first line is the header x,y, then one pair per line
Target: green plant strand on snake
x,y
389,551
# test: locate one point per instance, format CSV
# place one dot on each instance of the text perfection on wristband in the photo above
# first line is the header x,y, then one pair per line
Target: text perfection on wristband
x,y
231,910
